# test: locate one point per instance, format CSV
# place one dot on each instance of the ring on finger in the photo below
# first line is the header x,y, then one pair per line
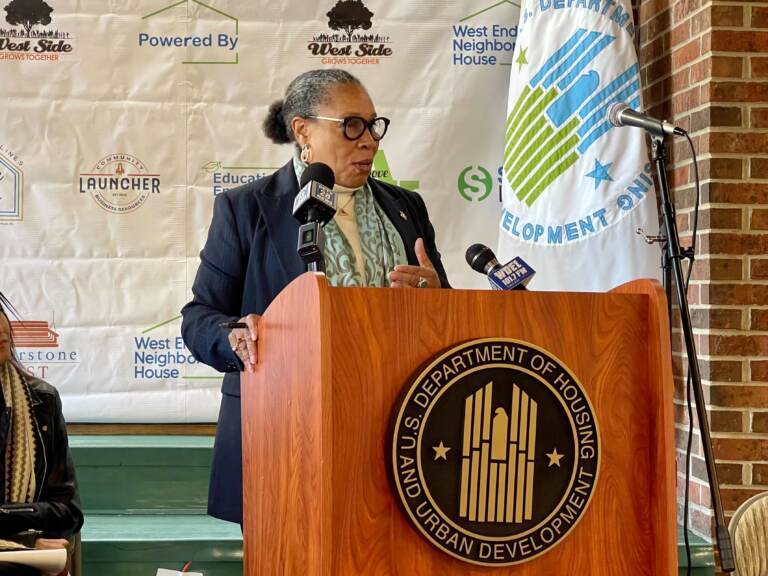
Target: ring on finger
x,y
423,283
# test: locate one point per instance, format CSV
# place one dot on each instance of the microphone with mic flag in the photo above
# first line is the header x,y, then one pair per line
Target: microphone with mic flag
x,y
514,275
314,206
621,114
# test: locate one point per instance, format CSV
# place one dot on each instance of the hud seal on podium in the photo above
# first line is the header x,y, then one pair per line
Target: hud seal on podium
x,y
494,451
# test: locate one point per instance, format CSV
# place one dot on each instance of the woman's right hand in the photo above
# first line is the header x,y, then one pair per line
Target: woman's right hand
x,y
243,341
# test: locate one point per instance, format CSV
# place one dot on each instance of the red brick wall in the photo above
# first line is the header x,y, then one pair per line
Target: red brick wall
x,y
705,67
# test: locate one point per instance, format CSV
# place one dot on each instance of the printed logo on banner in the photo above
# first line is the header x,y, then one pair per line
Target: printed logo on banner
x,y
163,357
119,183
39,349
381,171
225,178
11,186
211,34
475,183
29,37
352,39
486,37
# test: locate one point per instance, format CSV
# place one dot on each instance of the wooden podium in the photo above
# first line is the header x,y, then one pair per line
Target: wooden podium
x,y
332,363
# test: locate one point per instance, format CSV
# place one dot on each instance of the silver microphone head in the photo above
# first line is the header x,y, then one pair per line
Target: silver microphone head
x,y
614,113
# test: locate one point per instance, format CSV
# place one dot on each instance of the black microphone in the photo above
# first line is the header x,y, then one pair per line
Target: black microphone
x,y
316,201
514,275
314,206
481,259
621,114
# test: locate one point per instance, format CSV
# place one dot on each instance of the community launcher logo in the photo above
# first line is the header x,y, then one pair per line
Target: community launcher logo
x,y
352,39
119,183
495,452
29,35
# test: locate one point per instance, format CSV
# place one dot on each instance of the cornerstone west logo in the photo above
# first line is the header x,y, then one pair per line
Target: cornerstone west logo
x,y
11,185
119,183
495,451
39,348
29,37
352,40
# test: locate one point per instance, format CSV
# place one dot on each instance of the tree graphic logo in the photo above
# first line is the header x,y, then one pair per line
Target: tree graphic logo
x,y
349,15
350,37
28,13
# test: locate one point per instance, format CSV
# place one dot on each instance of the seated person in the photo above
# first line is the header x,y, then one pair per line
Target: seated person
x,y
40,505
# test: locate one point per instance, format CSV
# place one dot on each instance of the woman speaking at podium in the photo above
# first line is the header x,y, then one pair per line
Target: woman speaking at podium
x,y
380,236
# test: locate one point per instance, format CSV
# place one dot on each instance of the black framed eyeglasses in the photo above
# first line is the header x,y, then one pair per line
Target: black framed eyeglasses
x,y
355,126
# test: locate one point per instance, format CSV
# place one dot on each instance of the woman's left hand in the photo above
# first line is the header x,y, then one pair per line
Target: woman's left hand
x,y
421,276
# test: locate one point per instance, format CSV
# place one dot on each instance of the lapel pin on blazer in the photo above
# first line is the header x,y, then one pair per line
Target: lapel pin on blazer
x,y
403,216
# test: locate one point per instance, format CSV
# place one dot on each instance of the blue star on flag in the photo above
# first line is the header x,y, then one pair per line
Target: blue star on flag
x,y
600,172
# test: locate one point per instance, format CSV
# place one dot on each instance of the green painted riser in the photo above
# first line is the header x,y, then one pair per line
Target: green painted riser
x,y
161,482
117,568
141,473
140,544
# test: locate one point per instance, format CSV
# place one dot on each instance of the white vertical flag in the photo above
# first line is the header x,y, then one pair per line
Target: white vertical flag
x,y
576,188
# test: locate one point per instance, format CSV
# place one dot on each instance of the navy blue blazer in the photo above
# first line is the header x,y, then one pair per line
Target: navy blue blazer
x,y
248,258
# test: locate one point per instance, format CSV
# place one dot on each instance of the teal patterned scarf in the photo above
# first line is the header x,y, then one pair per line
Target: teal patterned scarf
x,y
380,242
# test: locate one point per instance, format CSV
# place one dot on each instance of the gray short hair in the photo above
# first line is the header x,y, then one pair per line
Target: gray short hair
x,y
302,97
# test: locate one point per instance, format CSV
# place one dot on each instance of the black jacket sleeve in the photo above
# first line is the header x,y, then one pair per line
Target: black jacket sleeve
x,y
57,512
217,292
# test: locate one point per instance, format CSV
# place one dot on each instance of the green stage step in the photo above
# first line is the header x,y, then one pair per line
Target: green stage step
x,y
119,474
702,555
138,544
145,499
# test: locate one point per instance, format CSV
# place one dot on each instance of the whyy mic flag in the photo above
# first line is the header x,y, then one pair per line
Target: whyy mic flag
x,y
576,188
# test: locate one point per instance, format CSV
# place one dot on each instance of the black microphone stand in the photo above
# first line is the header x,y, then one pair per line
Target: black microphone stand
x,y
674,256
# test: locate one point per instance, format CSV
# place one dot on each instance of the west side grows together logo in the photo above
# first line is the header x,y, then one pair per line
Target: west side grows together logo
x,y
29,37
347,44
11,185
119,183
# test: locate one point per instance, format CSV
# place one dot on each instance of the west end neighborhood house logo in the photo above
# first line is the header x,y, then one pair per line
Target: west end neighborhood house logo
x,y
11,186
217,44
29,37
475,44
351,42
119,183
39,348
559,118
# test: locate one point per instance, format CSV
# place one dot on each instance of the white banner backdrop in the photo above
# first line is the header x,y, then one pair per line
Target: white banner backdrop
x,y
167,98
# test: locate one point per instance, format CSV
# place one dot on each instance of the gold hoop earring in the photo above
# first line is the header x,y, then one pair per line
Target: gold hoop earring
x,y
305,154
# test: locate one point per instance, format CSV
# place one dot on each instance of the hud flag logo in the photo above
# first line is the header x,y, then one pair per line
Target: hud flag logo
x,y
563,110
495,452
